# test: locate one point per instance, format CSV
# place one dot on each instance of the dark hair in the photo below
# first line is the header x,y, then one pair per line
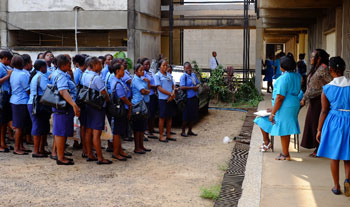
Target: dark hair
x,y
115,67
143,60
17,62
137,67
62,60
6,53
80,59
302,56
26,59
337,64
324,59
103,59
93,61
161,62
106,55
38,56
187,63
46,52
282,54
39,63
288,63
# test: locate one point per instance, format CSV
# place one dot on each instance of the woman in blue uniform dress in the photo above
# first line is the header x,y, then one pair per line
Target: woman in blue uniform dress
x,y
334,122
95,121
63,124
139,89
49,58
120,123
40,121
269,73
106,69
19,82
190,84
127,80
5,114
283,120
166,94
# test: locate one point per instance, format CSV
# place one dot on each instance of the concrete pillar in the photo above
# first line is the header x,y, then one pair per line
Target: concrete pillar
x,y
131,30
339,30
259,48
3,25
346,36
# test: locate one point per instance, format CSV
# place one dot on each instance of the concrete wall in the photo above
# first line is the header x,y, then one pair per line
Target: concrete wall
x,y
228,43
64,5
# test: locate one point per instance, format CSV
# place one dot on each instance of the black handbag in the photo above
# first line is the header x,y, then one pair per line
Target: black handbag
x,y
39,108
91,97
139,110
52,97
115,107
181,97
4,99
79,101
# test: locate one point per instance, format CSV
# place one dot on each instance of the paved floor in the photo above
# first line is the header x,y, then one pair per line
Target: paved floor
x,y
301,182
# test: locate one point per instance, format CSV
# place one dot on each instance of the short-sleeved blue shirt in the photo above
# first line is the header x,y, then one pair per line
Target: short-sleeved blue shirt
x,y
189,81
3,72
109,78
125,79
150,76
34,83
64,82
164,81
121,89
137,85
19,82
96,81
277,64
104,72
50,69
77,75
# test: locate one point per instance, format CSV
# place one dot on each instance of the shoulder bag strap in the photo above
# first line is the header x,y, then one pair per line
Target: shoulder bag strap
x,y
92,80
81,77
38,85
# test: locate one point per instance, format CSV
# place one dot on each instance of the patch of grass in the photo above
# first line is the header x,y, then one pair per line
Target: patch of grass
x,y
211,193
223,167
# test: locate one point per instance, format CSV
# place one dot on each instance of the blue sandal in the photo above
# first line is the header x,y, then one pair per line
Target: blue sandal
x,y
336,191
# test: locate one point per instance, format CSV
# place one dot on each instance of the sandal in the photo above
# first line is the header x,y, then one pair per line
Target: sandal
x,y
347,187
265,148
282,157
336,191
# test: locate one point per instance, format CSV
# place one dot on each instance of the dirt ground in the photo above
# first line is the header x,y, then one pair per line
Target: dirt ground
x,y
171,175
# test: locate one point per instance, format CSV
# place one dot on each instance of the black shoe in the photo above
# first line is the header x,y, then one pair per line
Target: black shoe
x,y
91,159
145,139
84,155
163,140
147,150
109,149
152,137
128,139
24,153
191,134
171,139
64,163
184,135
53,157
123,159
68,154
39,155
128,156
141,152
105,162
5,150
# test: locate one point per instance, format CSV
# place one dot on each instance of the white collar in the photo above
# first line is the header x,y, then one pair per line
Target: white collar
x,y
340,82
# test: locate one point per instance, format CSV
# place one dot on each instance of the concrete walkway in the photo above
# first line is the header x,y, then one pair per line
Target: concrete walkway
x,y
304,181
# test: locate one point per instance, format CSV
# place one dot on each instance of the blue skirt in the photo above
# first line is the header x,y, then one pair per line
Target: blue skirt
x,y
20,116
138,125
153,106
166,109
190,112
6,114
63,122
120,126
40,122
286,121
95,119
82,117
264,123
335,138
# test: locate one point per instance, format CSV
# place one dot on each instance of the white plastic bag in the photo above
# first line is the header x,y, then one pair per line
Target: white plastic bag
x,y
107,132
227,140
76,135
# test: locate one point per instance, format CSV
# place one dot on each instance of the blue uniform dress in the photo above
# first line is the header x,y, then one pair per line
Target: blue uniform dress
x,y
335,136
120,123
137,85
153,102
5,115
269,71
77,75
166,82
277,64
104,72
63,119
190,112
286,118
40,122
95,117
125,79
19,82
50,69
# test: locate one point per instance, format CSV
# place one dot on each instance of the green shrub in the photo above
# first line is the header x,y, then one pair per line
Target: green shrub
x,y
121,54
247,94
212,192
217,85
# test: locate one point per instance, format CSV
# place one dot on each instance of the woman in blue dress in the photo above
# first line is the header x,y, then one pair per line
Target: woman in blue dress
x,y
333,128
166,94
120,123
49,58
63,123
139,89
40,121
189,82
19,82
269,73
5,114
283,120
95,121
